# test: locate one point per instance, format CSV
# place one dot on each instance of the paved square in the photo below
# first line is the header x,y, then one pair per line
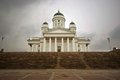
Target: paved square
x,y
59,74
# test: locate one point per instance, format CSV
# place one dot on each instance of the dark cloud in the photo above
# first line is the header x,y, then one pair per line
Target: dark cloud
x,y
17,3
17,23
21,19
4,29
12,13
100,42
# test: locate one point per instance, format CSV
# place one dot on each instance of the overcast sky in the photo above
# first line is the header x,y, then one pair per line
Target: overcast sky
x,y
96,19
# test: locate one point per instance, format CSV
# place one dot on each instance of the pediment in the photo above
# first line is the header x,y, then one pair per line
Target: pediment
x,y
59,31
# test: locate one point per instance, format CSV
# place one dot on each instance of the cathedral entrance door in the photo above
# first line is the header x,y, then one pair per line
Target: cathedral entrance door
x,y
59,49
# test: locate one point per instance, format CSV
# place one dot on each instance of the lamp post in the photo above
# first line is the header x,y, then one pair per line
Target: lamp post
x,y
109,43
2,49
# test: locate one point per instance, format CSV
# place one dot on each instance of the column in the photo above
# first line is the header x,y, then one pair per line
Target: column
x,y
49,44
77,47
68,44
33,47
73,44
83,48
44,45
40,47
80,47
55,44
53,24
57,23
62,45
36,48
87,47
30,47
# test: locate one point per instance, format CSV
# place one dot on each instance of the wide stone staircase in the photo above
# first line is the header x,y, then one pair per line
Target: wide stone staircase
x,y
65,60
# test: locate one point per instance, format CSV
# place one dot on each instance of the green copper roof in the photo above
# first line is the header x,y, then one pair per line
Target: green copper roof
x,y
58,13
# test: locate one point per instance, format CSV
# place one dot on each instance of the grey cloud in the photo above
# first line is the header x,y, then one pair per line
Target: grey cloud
x,y
18,3
4,29
98,44
115,34
10,17
115,37
88,35
30,30
16,23
19,21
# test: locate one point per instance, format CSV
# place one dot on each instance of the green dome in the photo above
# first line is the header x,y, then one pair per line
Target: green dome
x,y
45,23
58,13
72,23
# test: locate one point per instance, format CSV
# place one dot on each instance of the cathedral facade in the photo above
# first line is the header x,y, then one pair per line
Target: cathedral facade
x,y
58,38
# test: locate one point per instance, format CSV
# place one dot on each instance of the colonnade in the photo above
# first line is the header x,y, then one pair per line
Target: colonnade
x,y
56,46
66,45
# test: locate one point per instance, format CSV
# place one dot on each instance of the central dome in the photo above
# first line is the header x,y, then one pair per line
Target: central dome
x,y
58,13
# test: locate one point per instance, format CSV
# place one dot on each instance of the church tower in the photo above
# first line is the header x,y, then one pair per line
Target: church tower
x,y
72,27
58,20
45,27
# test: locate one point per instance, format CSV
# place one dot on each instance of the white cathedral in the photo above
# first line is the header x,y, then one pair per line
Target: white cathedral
x,y
58,38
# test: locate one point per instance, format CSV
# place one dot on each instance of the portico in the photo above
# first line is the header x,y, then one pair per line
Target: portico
x,y
59,44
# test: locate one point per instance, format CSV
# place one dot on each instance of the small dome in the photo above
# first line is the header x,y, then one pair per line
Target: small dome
x,y
58,13
45,23
72,23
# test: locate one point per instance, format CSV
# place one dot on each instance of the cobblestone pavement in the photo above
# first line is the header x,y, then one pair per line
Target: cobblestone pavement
x,y
59,74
